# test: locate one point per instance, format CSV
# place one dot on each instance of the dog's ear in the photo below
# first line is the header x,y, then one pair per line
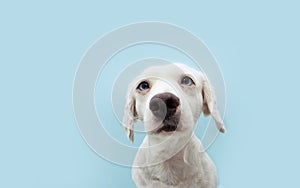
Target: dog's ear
x,y
209,104
130,115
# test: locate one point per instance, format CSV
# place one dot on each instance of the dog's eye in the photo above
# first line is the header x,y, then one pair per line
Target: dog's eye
x,y
187,81
143,86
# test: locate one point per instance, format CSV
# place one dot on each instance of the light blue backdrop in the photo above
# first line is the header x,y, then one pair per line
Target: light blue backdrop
x,y
255,42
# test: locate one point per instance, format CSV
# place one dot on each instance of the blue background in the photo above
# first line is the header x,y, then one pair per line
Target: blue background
x,y
255,42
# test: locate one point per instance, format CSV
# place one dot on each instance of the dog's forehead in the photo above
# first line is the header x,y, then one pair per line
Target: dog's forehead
x,y
168,71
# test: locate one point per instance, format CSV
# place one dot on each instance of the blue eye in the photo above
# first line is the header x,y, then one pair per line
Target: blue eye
x,y
187,81
143,86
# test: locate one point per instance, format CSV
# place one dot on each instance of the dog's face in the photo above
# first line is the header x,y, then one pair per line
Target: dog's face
x,y
169,100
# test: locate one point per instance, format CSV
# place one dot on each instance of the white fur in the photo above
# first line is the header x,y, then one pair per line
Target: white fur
x,y
172,159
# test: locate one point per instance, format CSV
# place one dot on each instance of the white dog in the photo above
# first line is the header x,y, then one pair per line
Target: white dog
x,y
169,100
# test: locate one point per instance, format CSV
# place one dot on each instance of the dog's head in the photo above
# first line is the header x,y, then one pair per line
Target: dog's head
x,y
169,99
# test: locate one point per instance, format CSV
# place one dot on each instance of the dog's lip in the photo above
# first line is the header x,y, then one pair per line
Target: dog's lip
x,y
170,124
167,128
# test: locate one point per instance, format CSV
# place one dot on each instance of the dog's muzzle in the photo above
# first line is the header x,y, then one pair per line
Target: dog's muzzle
x,y
164,106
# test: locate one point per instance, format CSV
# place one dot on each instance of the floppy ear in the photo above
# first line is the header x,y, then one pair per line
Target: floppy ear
x,y
130,115
209,104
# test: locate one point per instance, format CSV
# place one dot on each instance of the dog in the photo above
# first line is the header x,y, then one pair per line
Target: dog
x,y
169,99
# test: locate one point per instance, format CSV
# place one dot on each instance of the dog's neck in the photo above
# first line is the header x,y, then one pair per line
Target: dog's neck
x,y
167,148
180,165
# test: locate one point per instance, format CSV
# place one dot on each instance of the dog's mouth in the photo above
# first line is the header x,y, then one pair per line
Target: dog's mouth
x,y
167,128
170,124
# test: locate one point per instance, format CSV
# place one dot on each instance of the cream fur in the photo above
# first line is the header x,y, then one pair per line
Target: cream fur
x,y
172,159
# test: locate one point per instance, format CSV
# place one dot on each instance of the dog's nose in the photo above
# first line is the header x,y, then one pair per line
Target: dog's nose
x,y
164,105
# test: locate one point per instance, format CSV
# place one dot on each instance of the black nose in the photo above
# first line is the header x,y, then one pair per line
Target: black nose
x,y
164,105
